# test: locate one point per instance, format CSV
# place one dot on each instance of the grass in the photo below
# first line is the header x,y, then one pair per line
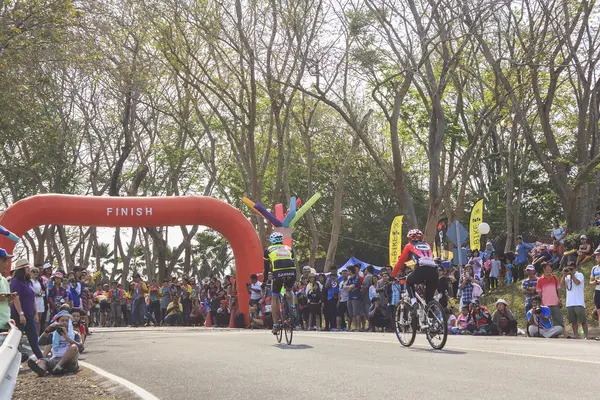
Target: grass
x,y
516,299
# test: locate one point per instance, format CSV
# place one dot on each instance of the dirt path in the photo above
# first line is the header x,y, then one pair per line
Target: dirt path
x,y
85,385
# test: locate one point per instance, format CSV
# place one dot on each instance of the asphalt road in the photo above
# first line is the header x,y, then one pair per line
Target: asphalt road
x,y
182,363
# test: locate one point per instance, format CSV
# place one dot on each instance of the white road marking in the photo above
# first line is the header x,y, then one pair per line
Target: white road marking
x,y
142,393
459,348
393,342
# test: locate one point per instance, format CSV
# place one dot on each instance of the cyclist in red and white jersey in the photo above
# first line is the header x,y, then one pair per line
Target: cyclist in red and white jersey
x,y
425,271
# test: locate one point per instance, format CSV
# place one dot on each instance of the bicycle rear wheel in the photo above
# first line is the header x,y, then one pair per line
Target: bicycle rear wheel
x,y
405,328
437,331
289,331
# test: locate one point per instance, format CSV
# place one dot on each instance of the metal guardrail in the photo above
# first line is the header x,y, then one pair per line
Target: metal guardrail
x,y
10,360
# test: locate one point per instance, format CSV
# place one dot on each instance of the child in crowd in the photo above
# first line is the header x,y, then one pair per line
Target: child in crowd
x,y
509,273
451,319
496,265
461,322
78,324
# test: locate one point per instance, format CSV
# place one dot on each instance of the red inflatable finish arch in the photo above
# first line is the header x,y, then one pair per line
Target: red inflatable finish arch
x,y
58,209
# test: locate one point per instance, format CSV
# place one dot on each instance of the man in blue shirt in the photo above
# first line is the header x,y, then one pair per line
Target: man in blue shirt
x,y
521,250
355,306
539,320
529,286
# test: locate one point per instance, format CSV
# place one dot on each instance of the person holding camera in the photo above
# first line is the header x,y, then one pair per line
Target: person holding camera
x,y
174,312
66,346
376,315
573,281
539,320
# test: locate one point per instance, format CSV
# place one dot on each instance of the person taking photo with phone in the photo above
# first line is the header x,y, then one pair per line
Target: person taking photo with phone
x,y
66,346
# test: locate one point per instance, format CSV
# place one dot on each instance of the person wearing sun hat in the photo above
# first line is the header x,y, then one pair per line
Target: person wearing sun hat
x,y
4,290
23,308
504,319
66,346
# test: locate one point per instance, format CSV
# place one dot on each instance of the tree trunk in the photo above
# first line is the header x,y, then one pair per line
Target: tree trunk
x,y
337,206
510,187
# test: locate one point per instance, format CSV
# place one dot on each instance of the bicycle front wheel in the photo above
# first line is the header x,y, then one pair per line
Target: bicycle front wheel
x,y
289,332
279,334
437,331
405,329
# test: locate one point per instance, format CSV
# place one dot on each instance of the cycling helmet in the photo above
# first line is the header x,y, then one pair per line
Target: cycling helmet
x,y
276,238
415,235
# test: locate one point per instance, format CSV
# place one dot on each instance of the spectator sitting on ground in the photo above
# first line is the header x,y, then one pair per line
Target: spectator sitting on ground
x,y
479,319
196,317
573,281
174,312
585,251
223,315
376,315
66,346
543,256
256,318
504,319
451,319
555,259
461,322
539,320
78,323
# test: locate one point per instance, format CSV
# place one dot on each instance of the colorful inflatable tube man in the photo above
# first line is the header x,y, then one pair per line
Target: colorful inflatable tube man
x,y
284,223
9,234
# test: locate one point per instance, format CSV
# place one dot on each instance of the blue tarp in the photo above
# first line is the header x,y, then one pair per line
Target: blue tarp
x,y
353,261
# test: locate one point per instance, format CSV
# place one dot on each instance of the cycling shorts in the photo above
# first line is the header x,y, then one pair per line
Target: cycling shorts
x,y
283,278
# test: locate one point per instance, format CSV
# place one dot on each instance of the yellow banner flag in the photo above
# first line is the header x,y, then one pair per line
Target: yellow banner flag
x,y
396,240
474,221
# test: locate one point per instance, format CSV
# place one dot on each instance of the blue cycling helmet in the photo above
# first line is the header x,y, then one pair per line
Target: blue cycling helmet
x,y
276,238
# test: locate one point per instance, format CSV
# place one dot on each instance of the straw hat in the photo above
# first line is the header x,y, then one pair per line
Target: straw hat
x,y
20,264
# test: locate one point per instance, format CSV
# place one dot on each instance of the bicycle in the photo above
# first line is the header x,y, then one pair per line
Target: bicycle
x,y
286,323
432,320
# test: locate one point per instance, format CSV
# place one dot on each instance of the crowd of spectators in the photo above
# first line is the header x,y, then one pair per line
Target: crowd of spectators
x,y
361,300
55,345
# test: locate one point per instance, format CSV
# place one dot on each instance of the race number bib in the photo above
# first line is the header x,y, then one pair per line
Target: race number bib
x,y
283,252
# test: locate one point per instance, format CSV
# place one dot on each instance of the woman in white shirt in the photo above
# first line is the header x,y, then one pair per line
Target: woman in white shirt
x,y
373,288
558,237
39,295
